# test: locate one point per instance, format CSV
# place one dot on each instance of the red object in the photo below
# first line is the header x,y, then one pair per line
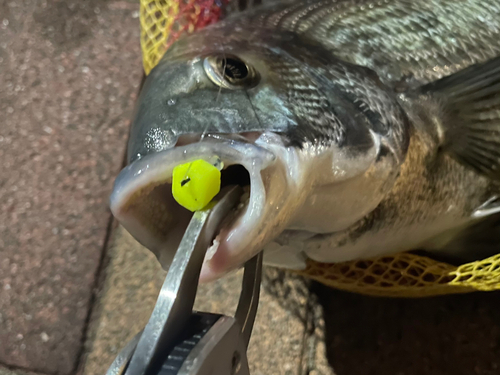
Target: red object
x,y
194,16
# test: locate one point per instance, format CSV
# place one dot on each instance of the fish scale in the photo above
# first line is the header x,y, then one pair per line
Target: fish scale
x,y
345,27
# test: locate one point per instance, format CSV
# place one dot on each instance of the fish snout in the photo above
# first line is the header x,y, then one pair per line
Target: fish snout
x,y
143,203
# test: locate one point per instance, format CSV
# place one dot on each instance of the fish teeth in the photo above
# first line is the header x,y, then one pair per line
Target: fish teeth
x,y
212,249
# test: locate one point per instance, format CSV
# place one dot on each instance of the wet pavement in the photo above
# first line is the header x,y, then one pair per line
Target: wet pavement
x,y
69,73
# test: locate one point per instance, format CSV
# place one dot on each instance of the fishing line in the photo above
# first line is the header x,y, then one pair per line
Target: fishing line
x,y
223,71
205,130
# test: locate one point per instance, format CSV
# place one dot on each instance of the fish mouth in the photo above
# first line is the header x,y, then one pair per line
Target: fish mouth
x,y
142,201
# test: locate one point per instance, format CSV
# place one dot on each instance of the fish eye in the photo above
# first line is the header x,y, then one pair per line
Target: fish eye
x,y
230,72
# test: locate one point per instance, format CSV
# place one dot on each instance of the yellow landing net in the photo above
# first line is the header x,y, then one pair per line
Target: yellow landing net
x,y
401,275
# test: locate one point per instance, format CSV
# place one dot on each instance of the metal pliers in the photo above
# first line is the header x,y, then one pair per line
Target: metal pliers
x,y
178,340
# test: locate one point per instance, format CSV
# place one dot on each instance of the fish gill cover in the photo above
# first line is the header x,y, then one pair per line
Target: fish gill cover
x,y
400,275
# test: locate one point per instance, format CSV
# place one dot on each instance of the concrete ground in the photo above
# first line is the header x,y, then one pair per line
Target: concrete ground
x,y
69,75
74,287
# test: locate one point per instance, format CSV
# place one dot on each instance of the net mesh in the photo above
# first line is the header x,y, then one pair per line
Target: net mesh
x,y
407,275
400,275
163,21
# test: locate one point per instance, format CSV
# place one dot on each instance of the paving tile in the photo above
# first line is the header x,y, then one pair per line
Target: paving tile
x,y
69,73
5,371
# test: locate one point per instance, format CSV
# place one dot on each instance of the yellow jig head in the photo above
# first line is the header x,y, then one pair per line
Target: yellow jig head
x,y
196,183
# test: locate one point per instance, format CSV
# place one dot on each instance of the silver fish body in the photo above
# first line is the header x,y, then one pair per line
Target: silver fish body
x,y
339,117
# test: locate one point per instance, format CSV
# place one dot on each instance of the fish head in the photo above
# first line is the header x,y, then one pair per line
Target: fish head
x,y
262,104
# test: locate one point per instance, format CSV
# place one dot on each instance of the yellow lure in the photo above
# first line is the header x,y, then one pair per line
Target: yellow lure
x,y
195,184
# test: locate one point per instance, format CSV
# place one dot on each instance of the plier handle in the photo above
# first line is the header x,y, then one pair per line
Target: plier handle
x,y
178,340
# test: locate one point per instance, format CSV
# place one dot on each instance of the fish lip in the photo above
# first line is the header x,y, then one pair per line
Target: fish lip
x,y
157,169
148,166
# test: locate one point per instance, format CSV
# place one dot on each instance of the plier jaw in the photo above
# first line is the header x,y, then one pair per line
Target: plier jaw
x,y
178,340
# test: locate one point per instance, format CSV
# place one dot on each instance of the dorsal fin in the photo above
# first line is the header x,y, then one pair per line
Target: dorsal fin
x,y
470,106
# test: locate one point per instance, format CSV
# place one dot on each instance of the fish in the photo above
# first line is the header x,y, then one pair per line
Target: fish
x,y
357,129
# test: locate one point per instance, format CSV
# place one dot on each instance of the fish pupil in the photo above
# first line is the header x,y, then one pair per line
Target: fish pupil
x,y
234,69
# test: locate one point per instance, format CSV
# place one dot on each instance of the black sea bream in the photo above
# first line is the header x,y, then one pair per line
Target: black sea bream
x,y
359,128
